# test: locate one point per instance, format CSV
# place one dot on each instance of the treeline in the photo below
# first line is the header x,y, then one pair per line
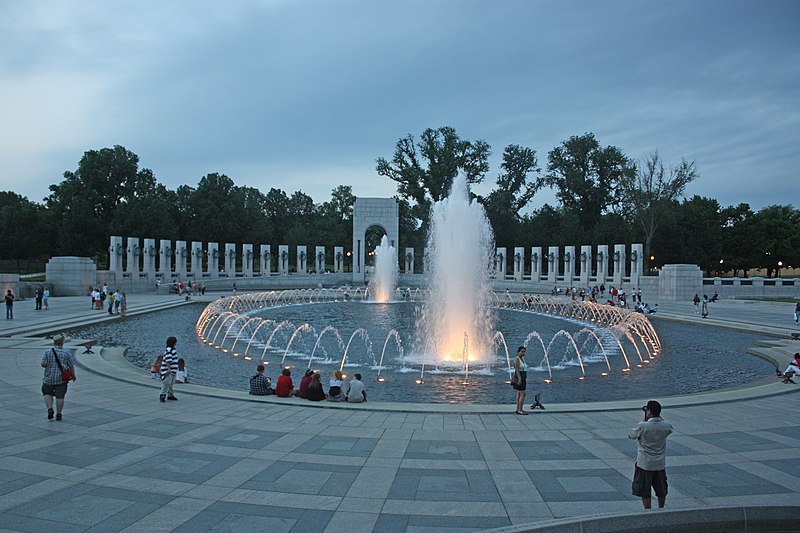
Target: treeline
x,y
604,197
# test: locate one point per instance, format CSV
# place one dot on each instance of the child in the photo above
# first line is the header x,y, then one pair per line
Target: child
x,y
182,376
156,367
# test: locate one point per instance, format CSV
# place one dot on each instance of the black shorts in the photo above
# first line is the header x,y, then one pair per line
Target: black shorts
x,y
59,391
523,383
644,479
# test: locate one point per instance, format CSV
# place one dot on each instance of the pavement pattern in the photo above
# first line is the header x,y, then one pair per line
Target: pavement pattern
x,y
122,461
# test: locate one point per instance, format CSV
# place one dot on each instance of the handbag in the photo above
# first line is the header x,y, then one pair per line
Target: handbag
x,y
66,374
514,380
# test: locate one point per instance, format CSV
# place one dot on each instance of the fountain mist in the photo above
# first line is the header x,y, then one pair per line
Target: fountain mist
x,y
457,269
384,280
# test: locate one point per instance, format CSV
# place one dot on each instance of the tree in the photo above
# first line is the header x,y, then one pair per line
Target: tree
x,y
649,191
89,204
777,237
26,233
424,171
740,240
586,176
700,234
336,217
514,190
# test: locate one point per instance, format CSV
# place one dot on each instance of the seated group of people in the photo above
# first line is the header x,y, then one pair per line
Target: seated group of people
x,y
310,388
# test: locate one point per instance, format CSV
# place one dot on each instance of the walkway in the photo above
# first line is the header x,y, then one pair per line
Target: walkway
x,y
122,461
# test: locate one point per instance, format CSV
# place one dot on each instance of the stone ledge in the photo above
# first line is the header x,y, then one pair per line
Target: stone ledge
x,y
706,520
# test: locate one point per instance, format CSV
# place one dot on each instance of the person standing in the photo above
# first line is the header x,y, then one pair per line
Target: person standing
x,y
110,300
797,313
169,367
696,301
123,307
117,301
55,361
651,443
46,298
9,305
38,295
704,307
520,383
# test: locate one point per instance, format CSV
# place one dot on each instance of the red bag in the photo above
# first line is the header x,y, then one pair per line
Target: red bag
x,y
66,374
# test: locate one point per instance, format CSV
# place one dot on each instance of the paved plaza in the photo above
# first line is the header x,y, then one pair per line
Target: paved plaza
x,y
217,461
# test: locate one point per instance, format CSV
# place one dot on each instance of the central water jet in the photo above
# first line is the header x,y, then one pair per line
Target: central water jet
x,y
458,255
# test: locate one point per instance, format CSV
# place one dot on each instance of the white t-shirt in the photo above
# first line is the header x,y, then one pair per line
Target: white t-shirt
x,y
355,393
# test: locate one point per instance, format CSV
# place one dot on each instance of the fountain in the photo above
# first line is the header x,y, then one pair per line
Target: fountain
x,y
457,259
452,331
384,280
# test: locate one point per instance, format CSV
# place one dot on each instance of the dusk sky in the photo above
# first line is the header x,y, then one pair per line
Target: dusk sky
x,y
306,95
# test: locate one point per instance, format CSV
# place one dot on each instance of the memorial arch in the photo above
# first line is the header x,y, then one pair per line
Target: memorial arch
x,y
368,213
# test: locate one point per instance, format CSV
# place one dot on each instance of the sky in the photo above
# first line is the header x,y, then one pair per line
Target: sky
x,y
306,95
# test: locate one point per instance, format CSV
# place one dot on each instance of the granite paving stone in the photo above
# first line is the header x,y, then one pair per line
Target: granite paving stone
x,y
203,465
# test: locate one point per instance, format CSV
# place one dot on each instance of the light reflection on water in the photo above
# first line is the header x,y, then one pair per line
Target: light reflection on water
x,y
694,359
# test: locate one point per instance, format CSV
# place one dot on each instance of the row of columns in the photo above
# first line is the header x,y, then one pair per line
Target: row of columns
x,y
589,265
182,258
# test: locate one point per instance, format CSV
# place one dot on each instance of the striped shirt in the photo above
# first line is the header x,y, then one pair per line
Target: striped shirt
x,y
170,361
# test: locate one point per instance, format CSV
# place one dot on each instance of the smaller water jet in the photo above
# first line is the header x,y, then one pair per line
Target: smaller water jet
x,y
384,279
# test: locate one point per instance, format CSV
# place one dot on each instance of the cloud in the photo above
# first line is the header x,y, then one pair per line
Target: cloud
x,y
312,93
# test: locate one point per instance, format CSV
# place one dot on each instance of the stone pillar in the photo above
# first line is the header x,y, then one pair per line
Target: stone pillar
x,y
247,260
409,261
320,257
196,267
213,260
302,259
338,259
619,264
150,252
66,276
283,259
500,264
569,265
536,263
230,260
165,252
602,264
586,265
519,263
134,253
552,265
637,263
115,252
680,282
181,253
265,258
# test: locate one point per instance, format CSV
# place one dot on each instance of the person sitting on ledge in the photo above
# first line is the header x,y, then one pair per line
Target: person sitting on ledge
x,y
314,391
335,393
285,388
260,385
792,370
357,392
304,382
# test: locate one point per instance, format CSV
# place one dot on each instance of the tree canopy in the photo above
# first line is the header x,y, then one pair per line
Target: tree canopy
x,y
603,197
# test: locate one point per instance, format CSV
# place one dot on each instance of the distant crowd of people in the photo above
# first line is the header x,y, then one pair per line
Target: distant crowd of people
x,y
116,302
